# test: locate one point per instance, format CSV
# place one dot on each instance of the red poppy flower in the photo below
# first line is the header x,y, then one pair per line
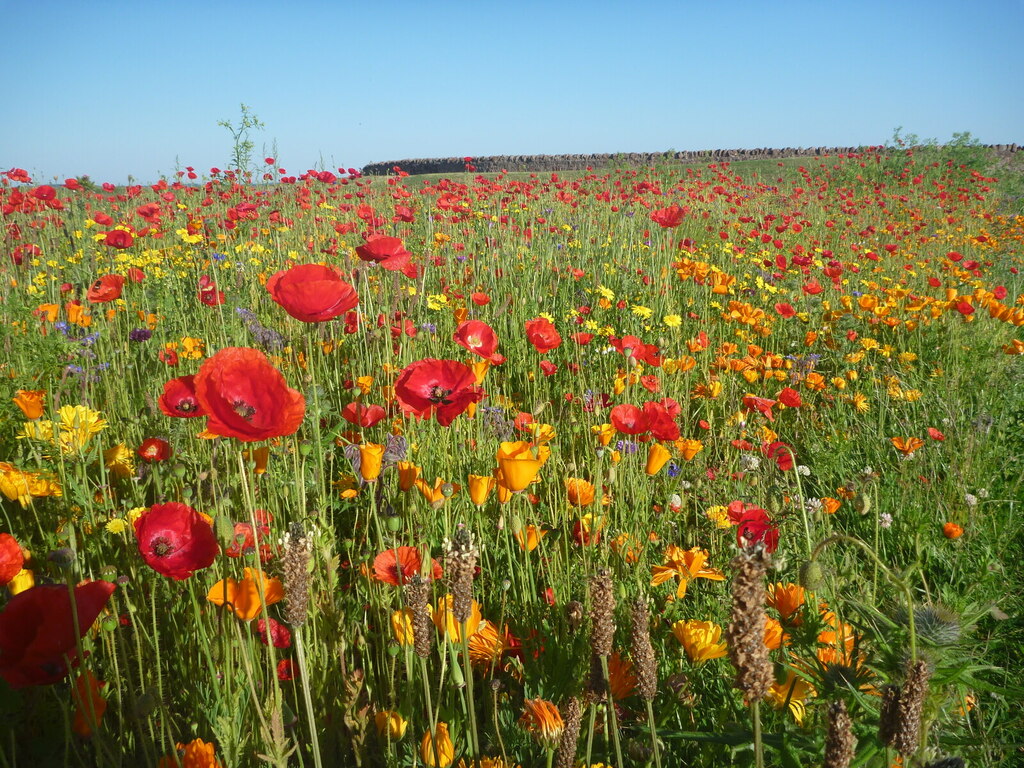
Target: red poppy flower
x,y
629,419
175,540
780,453
548,368
179,398
785,310
634,348
389,252
761,404
12,560
208,293
397,566
935,434
155,449
363,415
542,333
38,630
582,338
118,238
244,396
668,217
756,527
442,387
280,636
790,398
480,339
660,422
136,275
312,293
286,670
244,543
480,299
106,288
168,357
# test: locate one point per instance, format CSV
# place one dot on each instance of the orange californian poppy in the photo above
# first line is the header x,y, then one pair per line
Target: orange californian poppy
x,y
520,464
480,487
31,402
244,596
686,565
907,445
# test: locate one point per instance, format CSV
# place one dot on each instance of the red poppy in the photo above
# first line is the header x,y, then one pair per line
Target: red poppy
x,y
168,357
286,670
629,419
935,434
118,238
175,540
106,288
761,404
179,398
244,396
660,422
312,293
480,339
389,252
780,453
38,630
790,398
756,527
634,348
442,387
480,299
582,338
668,217
363,415
12,560
542,333
548,368
397,566
785,310
244,543
136,275
208,293
155,449
280,636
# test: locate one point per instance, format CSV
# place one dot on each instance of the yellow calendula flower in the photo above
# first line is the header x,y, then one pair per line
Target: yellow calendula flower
x,y
672,321
700,640
437,301
119,461
641,311
116,526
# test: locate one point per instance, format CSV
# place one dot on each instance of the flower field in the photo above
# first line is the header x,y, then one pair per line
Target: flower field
x,y
685,465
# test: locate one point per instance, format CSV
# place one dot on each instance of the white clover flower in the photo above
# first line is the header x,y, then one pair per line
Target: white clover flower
x,y
983,493
885,520
803,470
970,499
813,506
749,463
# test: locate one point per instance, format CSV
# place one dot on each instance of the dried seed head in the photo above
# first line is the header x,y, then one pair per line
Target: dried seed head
x,y
644,663
889,714
747,651
295,562
460,567
574,615
417,596
911,705
840,741
572,715
602,613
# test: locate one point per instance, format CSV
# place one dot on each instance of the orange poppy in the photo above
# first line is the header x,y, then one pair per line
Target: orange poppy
x,y
244,597
907,445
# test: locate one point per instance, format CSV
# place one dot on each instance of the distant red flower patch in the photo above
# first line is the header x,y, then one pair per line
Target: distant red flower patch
x,y
668,217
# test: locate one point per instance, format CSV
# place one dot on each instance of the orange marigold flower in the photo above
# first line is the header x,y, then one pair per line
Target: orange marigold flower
x,y
542,719
247,597
952,531
196,754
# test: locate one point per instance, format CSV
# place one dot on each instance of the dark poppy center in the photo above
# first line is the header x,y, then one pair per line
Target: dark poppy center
x,y
439,394
244,410
186,406
162,546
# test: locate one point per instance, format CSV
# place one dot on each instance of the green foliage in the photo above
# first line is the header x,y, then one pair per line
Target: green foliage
x,y
242,145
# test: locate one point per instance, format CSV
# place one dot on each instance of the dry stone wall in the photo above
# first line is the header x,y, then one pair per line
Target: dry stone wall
x,y
541,163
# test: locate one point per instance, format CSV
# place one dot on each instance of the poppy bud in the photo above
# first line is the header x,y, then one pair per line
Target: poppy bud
x,y
812,575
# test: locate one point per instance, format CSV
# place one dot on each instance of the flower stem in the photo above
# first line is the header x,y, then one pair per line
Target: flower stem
x,y
300,650
755,711
611,711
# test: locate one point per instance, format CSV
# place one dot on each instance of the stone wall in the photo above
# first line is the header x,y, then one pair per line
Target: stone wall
x,y
547,163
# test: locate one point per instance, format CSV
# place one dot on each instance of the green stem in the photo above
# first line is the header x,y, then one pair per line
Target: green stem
x,y
654,733
300,650
474,738
611,712
755,711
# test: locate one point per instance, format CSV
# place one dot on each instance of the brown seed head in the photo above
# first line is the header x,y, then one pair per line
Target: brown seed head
x,y
840,741
642,652
747,651
295,562
417,596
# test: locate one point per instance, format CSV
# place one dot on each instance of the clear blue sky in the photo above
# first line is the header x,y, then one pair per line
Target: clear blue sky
x,y
116,88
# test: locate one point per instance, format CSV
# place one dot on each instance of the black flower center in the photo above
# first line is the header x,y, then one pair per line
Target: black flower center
x,y
244,410
439,394
186,406
162,546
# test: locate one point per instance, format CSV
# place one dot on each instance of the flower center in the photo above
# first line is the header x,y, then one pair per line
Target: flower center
x,y
244,410
438,395
162,546
186,406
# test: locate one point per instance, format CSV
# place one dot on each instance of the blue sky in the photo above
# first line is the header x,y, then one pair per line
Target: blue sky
x,y
117,88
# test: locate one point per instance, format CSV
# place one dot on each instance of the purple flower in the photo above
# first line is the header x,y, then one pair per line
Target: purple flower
x,y
140,334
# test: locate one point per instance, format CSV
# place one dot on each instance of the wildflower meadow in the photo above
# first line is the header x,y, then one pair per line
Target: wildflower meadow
x,y
684,465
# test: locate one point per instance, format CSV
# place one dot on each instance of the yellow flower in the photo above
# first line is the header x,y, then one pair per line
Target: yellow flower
x,y
444,749
672,321
700,640
685,565
520,463
18,485
119,460
796,691
657,457
23,579
401,626
529,537
390,724
641,311
116,526
445,621
487,645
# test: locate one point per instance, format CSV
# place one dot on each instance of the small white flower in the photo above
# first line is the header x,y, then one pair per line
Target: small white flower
x,y
813,505
867,471
749,463
971,500
885,520
686,485
983,493
803,470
